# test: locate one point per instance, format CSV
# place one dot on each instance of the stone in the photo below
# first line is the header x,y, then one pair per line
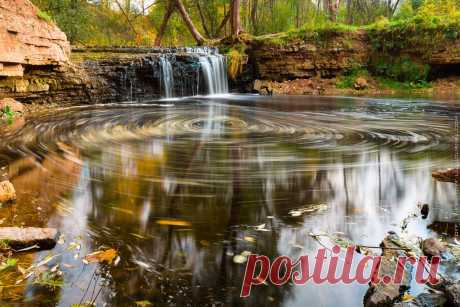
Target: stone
x,y
14,105
7,192
453,294
27,40
450,175
433,247
425,211
20,238
361,83
387,295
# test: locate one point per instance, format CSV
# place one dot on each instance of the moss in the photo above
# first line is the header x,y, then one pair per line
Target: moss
x,y
44,16
236,58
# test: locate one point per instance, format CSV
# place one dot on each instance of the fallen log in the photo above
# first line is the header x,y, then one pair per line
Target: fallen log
x,y
19,238
7,192
450,175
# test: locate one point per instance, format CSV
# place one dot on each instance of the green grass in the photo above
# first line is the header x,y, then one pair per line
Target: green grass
x,y
386,83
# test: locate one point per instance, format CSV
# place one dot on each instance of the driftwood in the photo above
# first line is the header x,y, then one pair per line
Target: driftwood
x,y
7,192
450,175
22,238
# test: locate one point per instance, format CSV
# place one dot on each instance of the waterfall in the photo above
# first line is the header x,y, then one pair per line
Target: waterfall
x,y
213,67
191,71
167,77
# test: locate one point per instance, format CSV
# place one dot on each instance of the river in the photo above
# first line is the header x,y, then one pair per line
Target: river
x,y
180,187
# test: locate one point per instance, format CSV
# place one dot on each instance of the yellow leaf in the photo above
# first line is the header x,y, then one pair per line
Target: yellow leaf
x,y
174,223
407,297
102,256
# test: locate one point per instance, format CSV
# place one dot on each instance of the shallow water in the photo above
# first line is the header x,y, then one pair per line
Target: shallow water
x,y
177,188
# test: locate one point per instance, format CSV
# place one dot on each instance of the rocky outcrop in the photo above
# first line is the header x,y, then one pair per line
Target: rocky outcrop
x,y
34,56
300,58
28,40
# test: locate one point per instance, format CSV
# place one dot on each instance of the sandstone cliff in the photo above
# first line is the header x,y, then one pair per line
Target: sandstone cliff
x,y
26,39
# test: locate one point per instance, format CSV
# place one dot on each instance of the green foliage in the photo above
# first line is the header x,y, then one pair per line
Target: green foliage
x,y
8,264
398,85
44,16
349,78
433,24
7,113
401,69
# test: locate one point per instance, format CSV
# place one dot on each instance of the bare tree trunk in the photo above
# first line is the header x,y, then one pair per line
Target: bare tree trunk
x,y
349,12
254,16
225,20
236,19
332,7
164,23
188,21
203,20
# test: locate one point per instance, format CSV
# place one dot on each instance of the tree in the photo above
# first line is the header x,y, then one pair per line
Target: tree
x,y
236,17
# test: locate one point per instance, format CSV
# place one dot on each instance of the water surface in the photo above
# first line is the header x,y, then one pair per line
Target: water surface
x,y
178,188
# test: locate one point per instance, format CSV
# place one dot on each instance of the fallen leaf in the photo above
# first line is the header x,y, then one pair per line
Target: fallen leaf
x,y
174,223
102,256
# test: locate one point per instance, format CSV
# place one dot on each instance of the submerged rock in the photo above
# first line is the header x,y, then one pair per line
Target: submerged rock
x,y
20,238
432,247
7,192
453,294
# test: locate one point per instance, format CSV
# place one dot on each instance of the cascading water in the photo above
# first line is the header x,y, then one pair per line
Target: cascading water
x,y
214,72
204,72
167,77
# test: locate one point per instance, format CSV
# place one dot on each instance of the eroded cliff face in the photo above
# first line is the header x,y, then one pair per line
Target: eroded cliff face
x,y
28,40
34,57
331,54
304,59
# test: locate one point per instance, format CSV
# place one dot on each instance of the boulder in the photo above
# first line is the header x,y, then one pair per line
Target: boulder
x,y
450,175
433,247
14,105
361,83
7,192
453,294
20,238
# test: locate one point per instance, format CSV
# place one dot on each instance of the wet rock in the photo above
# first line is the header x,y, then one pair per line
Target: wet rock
x,y
425,300
12,104
433,247
450,175
387,295
453,294
425,211
7,192
361,84
20,238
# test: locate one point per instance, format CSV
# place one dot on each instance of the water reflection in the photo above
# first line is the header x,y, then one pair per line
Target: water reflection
x,y
177,190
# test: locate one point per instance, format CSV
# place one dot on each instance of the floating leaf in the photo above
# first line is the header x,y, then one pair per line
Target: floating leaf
x,y
174,223
239,259
249,239
407,297
143,303
102,256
